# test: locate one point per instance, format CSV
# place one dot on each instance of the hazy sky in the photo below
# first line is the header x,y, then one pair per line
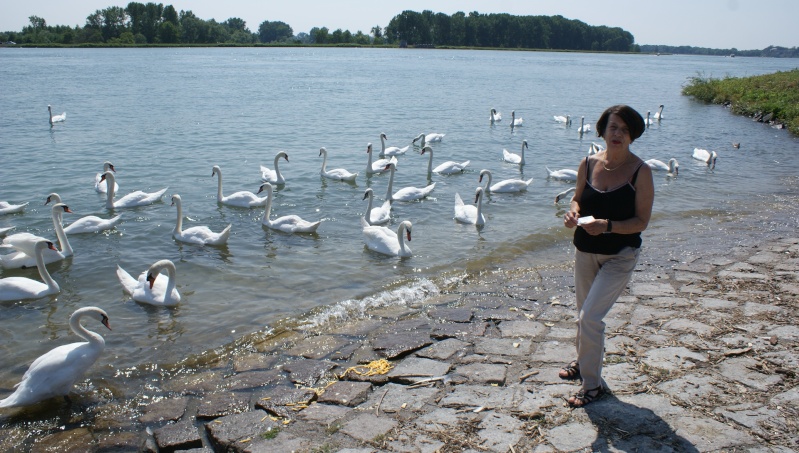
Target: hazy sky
x,y
723,24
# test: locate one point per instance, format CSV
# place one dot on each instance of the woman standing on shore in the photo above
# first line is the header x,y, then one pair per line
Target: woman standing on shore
x,y
611,206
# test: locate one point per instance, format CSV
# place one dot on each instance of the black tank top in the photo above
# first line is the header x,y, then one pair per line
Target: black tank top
x,y
614,204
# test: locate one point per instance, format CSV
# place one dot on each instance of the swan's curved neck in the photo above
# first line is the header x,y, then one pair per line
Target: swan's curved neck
x,y
488,183
522,161
390,183
110,191
401,236
43,273
368,215
382,146
93,338
324,161
179,222
479,206
218,185
277,168
268,210
429,162
58,225
170,272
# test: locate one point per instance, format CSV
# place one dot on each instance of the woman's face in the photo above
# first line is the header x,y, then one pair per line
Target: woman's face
x,y
616,133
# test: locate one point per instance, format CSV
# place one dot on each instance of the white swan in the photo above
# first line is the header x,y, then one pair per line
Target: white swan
x,y
200,235
673,167
447,168
102,187
287,223
514,158
515,122
562,175
8,208
241,199
5,230
567,120
274,176
406,193
595,148
383,240
378,215
391,150
378,166
504,186
495,116
87,224
54,373
648,121
659,113
152,288
708,157
467,213
339,174
131,200
428,138
56,118
25,244
563,194
20,288
583,127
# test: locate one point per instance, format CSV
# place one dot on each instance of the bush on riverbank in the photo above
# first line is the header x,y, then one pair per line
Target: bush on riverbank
x,y
769,98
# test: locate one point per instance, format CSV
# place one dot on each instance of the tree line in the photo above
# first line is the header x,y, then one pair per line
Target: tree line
x,y
156,23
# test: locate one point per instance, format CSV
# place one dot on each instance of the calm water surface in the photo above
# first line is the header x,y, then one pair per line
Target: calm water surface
x,y
164,117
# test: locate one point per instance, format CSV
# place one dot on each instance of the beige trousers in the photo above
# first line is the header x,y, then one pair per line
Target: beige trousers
x,y
598,281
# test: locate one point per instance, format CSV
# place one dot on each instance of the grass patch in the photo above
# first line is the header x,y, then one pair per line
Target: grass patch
x,y
270,434
774,96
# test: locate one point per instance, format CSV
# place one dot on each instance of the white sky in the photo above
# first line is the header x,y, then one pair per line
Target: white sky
x,y
719,24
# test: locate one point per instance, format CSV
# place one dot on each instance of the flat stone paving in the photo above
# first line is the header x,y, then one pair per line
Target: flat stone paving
x,y
695,364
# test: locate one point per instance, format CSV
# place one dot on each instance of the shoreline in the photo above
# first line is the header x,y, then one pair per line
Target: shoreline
x,y
689,358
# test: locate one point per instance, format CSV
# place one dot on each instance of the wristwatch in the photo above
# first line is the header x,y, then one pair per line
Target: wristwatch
x,y
610,226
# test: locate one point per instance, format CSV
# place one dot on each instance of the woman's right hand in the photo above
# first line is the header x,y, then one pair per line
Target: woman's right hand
x,y
570,219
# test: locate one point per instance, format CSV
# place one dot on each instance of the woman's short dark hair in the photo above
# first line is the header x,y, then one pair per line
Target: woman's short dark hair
x,y
633,119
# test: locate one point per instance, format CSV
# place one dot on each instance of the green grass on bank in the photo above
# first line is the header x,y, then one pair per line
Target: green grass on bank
x,y
776,95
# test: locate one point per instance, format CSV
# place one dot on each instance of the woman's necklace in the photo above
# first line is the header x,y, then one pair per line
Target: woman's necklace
x,y
617,166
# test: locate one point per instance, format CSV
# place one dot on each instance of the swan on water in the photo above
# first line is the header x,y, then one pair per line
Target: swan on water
x,y
447,168
55,373
56,118
563,194
378,215
241,199
200,235
562,175
504,186
391,150
659,113
378,166
648,121
102,187
274,176
131,200
287,223
20,288
567,120
5,230
8,208
152,287
384,240
708,157
595,148
583,127
467,213
673,167
428,138
87,224
24,244
514,158
406,193
495,116
515,122
339,174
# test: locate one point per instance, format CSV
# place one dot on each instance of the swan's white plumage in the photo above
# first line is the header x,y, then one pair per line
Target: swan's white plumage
x,y
708,157
595,148
54,373
562,175
378,166
241,199
339,174
152,287
514,158
467,213
86,224
391,150
506,185
659,113
446,168
287,223
274,176
406,193
21,288
5,230
56,118
131,200
199,235
428,138
8,208
563,194
494,116
515,122
384,240
24,244
673,167
567,120
583,127
378,215
102,186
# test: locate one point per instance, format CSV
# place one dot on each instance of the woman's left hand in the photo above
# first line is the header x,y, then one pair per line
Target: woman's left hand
x,y
595,227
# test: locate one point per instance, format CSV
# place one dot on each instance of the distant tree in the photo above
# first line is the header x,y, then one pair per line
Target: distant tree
x,y
274,31
168,33
170,15
377,32
235,24
360,38
319,35
37,23
303,38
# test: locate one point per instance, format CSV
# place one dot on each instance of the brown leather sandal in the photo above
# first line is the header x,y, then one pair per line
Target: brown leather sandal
x,y
585,397
571,371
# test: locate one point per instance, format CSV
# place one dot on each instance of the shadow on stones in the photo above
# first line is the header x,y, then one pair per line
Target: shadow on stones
x,y
629,428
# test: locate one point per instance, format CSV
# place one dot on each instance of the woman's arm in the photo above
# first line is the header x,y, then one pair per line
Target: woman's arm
x,y
644,197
